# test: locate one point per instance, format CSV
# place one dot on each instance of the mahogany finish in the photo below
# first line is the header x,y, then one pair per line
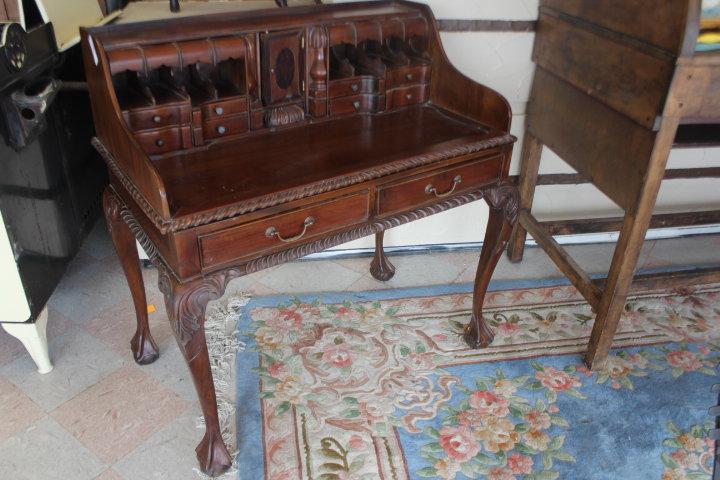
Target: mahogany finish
x,y
240,141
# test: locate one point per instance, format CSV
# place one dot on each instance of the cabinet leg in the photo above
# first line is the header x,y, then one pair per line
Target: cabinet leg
x,y
503,203
143,346
185,305
529,167
380,267
34,339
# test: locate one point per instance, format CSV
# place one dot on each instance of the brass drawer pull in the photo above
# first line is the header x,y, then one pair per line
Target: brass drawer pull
x,y
273,232
356,104
157,119
159,142
430,189
354,87
409,76
221,130
219,110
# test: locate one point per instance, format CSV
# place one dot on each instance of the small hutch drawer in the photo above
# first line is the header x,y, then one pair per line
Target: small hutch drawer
x,y
352,86
407,76
164,140
283,230
225,107
403,96
427,188
157,117
225,126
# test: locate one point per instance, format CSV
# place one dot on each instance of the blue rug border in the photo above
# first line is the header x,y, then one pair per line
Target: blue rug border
x,y
249,427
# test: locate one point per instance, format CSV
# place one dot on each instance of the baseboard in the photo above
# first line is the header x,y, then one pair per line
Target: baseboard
x,y
578,239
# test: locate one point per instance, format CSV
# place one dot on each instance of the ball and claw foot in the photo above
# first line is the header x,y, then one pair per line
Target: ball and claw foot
x,y
212,455
477,334
381,268
144,348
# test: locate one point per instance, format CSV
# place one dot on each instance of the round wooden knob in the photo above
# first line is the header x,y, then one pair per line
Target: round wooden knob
x,y
356,104
219,110
157,119
408,96
159,142
409,76
221,130
354,87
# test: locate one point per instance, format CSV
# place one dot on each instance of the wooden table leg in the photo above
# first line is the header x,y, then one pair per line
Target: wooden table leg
x,y
627,251
503,203
529,167
185,304
380,267
143,346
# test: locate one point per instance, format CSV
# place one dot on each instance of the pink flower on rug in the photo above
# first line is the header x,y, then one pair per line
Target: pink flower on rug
x,y
286,320
508,329
557,380
356,442
704,350
684,360
538,420
691,443
520,464
585,370
638,360
553,409
459,443
500,473
686,460
339,356
277,369
347,313
487,403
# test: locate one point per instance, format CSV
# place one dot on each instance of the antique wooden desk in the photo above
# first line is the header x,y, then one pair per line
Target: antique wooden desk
x,y
238,142
617,85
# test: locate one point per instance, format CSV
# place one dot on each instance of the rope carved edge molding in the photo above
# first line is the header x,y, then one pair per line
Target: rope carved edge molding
x,y
293,194
186,302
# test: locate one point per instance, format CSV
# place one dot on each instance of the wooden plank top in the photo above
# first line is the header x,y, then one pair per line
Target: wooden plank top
x,y
298,162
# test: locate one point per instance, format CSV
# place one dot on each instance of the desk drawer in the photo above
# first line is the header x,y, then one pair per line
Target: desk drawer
x,y
157,117
225,107
225,126
164,140
397,77
283,230
400,97
352,86
427,188
355,103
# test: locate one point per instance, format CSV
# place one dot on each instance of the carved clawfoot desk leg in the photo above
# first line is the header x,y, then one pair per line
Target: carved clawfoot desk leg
x,y
185,305
380,267
503,202
143,346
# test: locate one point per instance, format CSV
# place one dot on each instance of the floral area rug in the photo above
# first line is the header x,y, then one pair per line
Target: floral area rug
x,y
381,386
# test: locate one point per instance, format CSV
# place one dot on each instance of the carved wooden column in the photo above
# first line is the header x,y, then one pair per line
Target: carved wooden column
x,y
503,201
143,346
185,304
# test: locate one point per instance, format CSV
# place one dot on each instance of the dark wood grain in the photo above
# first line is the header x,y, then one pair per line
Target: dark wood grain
x,y
241,141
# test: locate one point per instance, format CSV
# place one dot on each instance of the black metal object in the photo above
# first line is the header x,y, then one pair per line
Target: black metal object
x,y
50,177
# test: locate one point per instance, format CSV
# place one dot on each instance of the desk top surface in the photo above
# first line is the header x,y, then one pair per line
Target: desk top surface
x,y
330,154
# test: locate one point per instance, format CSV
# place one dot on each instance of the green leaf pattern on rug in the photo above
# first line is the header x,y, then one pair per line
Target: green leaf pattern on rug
x,y
622,366
495,431
690,453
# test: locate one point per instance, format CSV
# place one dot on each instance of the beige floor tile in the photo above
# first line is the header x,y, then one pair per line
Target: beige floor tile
x,y
412,270
310,276
80,361
172,371
110,474
360,265
17,410
699,250
116,326
169,454
114,416
249,284
46,451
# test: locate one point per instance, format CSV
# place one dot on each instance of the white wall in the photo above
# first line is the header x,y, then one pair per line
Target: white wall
x,y
501,60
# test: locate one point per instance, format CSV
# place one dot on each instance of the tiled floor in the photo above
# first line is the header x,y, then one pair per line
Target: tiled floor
x,y
100,416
